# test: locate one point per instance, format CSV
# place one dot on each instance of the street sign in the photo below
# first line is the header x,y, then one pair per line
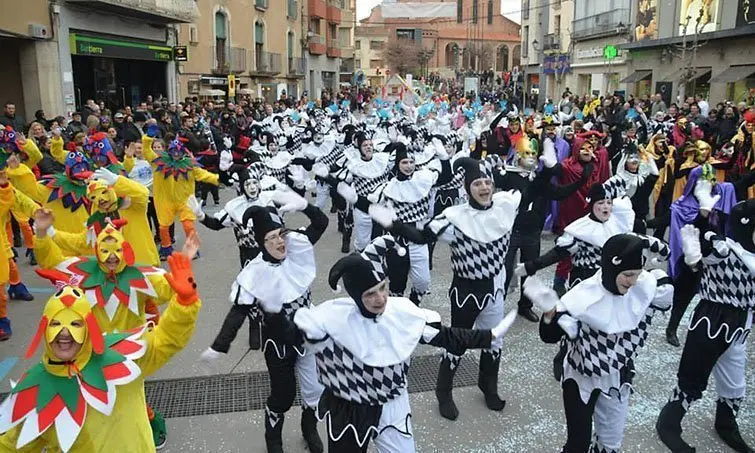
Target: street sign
x,y
180,53
610,52
231,85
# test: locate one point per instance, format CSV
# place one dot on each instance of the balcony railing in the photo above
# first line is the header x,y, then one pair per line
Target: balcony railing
x,y
160,11
603,24
267,63
238,59
334,51
221,60
552,42
316,45
318,9
297,66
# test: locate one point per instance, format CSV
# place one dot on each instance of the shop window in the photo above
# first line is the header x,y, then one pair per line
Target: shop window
x,y
221,40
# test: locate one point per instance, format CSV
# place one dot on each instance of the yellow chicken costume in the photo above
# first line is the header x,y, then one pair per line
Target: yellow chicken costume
x,y
113,197
95,401
175,174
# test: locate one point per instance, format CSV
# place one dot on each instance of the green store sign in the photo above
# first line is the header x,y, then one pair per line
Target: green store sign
x,y
111,48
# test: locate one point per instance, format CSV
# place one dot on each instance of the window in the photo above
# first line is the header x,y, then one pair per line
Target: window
x,y
193,34
332,32
259,44
221,39
291,9
358,45
377,45
405,34
314,26
525,12
526,41
490,12
375,64
557,24
475,7
459,11
262,4
357,63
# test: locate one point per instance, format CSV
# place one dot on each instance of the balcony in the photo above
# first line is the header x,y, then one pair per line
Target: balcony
x,y
266,63
333,50
153,11
318,9
297,67
228,60
317,45
238,60
552,42
334,14
347,66
600,25
347,17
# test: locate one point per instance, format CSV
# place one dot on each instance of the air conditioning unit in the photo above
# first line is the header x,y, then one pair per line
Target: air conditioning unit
x,y
39,31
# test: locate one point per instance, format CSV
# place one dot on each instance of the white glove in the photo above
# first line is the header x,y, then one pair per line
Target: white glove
x,y
543,297
702,193
288,201
441,152
227,142
196,207
691,245
210,356
310,185
320,169
520,270
347,192
382,214
652,167
504,325
106,175
569,325
664,294
549,158
226,160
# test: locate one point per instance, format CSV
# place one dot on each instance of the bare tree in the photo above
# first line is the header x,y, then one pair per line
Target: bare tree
x,y
401,55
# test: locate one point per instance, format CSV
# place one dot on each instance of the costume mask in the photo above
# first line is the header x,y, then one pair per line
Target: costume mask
x,y
177,149
526,151
8,140
683,126
112,248
78,165
99,149
703,151
102,196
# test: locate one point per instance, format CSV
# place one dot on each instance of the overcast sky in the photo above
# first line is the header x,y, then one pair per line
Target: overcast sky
x,y
510,8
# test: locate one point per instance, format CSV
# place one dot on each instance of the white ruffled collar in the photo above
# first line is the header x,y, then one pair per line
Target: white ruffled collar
x,y
236,207
280,160
597,233
312,151
386,340
591,303
413,189
277,284
368,169
486,225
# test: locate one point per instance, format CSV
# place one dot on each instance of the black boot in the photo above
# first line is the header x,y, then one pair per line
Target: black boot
x,y
273,429
346,241
255,335
488,380
673,326
430,250
528,314
728,430
444,388
309,431
340,223
669,427
415,297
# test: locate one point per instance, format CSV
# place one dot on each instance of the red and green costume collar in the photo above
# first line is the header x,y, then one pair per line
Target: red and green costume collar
x,y
41,398
71,193
98,220
168,166
110,291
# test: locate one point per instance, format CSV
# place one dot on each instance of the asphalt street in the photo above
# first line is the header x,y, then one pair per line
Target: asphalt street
x,y
532,421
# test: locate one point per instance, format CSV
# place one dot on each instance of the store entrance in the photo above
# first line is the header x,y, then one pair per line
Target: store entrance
x,y
117,82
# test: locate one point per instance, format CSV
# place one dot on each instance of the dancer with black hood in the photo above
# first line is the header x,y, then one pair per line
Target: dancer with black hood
x,y
410,195
363,345
478,233
718,330
279,279
605,320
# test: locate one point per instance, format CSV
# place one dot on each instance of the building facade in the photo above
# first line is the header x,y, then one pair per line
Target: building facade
x,y
330,44
30,77
260,43
461,35
678,50
369,44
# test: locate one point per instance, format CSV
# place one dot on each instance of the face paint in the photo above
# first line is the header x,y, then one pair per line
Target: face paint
x,y
251,188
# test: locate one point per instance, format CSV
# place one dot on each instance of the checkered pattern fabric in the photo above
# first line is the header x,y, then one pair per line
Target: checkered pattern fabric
x,y
348,378
244,236
680,395
411,212
453,360
305,300
475,260
457,182
734,403
332,157
615,187
365,186
728,281
597,447
273,418
294,142
587,255
596,353
375,253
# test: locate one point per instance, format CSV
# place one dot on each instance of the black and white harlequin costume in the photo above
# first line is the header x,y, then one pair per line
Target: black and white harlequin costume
x,y
363,358
583,239
270,285
321,150
605,330
410,197
718,328
478,237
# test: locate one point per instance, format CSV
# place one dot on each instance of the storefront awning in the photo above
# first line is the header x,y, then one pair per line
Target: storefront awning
x,y
211,92
675,76
636,76
733,74
247,91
